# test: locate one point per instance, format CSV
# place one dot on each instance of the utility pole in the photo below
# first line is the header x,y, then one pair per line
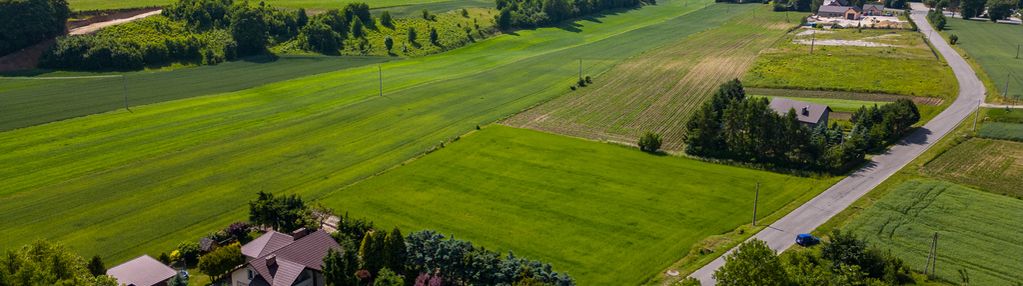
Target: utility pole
x,y
1017,51
124,89
755,199
813,40
380,75
976,114
1005,95
580,69
932,257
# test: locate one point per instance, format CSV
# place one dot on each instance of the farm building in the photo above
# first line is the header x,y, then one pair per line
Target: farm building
x,y
836,3
845,12
873,10
807,113
142,271
284,260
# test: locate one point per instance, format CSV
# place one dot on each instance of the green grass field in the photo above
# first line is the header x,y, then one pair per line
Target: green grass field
x,y
659,90
1002,130
994,47
87,5
992,165
606,214
119,184
908,67
977,232
52,96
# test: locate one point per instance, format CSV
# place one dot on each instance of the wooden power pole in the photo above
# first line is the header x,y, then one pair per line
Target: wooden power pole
x,y
756,198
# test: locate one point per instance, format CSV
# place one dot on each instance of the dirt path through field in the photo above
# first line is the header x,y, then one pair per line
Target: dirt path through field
x,y
92,28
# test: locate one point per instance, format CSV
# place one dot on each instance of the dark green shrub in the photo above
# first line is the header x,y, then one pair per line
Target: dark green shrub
x,y
27,22
650,142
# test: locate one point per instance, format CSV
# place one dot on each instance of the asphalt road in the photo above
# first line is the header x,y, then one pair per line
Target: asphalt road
x,y
781,234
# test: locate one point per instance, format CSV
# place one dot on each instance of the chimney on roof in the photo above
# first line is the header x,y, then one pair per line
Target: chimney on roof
x,y
299,233
271,260
806,110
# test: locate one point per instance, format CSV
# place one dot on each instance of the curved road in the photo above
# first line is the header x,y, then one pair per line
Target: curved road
x,y
781,234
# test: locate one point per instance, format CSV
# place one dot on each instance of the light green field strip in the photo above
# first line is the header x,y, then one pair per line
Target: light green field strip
x,y
606,214
56,96
119,184
977,231
994,47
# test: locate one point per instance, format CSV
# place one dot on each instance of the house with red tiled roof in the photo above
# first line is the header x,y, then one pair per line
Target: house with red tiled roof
x,y
277,259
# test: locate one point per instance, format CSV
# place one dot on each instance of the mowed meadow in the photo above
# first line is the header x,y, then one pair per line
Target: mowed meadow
x,y
659,90
978,232
53,96
604,213
122,183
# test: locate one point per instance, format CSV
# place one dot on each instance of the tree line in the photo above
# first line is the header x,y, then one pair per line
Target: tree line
x,y
735,127
995,9
844,260
26,22
538,13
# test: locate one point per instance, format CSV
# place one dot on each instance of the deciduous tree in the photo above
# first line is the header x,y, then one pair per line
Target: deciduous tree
x,y
753,263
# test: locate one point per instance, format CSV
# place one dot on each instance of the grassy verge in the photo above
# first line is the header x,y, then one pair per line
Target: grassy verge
x,y
606,214
906,66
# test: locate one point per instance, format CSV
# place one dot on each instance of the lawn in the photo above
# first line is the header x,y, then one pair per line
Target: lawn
x,y
994,47
659,90
53,96
978,232
992,165
606,214
121,183
86,5
906,67
1002,130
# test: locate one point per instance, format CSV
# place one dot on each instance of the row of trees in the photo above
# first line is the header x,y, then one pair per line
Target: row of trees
x,y
937,18
844,260
732,126
536,13
27,22
996,9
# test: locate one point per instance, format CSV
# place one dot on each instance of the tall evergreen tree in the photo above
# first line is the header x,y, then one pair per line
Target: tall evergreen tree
x,y
396,251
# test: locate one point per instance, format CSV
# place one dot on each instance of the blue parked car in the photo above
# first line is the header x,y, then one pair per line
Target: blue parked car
x,y
807,239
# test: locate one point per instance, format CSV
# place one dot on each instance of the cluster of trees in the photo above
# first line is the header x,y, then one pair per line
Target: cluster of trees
x,y
27,22
221,261
937,16
797,5
732,126
156,40
192,31
44,263
387,258
325,33
536,13
996,9
845,260
284,214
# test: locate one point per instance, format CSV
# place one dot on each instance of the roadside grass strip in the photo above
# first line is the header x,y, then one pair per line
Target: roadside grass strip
x,y
978,232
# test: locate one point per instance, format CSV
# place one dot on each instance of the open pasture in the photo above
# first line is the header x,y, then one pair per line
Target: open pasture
x,y
978,232
32,100
606,214
1002,130
995,47
903,64
118,184
991,165
659,90
88,5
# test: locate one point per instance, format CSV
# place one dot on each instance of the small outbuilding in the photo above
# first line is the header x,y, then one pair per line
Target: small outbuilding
x,y
142,271
807,113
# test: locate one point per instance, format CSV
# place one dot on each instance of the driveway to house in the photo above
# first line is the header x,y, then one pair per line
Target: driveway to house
x,y
782,234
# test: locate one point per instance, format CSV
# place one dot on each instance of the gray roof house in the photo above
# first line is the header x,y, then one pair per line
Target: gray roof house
x,y
142,271
807,113
277,259
873,9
